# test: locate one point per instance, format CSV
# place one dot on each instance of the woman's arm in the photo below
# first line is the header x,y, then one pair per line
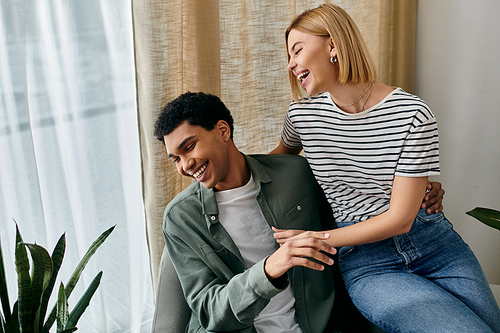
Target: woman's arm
x,y
282,149
406,198
433,200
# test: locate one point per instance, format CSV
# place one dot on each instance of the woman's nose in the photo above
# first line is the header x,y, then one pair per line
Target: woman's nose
x,y
291,65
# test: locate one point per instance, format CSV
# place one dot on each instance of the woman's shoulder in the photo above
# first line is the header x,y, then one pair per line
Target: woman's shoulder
x,y
401,94
408,102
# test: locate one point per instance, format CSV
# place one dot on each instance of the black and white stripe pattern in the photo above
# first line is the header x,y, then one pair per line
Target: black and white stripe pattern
x,y
354,157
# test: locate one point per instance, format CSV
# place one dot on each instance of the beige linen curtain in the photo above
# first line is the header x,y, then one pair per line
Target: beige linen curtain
x,y
236,50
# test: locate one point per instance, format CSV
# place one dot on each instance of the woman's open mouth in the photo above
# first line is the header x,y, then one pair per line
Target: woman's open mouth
x,y
302,76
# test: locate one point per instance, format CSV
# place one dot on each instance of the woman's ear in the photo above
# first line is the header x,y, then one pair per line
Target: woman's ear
x,y
333,51
223,129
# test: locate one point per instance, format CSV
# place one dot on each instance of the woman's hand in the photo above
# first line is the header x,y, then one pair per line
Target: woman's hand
x,y
434,198
282,236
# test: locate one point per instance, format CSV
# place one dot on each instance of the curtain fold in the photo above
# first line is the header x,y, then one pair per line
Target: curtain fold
x,y
69,152
236,50
399,44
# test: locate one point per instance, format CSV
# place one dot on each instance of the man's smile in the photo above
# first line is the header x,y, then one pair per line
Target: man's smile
x,y
200,171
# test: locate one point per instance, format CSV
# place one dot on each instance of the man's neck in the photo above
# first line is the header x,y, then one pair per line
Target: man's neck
x,y
239,172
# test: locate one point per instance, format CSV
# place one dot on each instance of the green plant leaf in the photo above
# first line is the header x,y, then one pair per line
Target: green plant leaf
x,y
2,324
77,272
24,286
68,330
488,216
4,294
13,324
62,313
84,301
83,262
57,258
40,278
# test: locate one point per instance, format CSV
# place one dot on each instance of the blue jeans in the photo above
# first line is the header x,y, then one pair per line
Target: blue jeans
x,y
427,280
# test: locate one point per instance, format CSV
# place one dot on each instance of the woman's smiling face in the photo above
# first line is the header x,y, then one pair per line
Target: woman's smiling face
x,y
310,61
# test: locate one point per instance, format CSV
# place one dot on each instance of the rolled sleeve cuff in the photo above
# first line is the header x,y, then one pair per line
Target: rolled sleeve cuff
x,y
261,284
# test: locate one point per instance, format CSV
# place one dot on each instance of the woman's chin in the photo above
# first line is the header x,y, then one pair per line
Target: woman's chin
x,y
310,89
311,92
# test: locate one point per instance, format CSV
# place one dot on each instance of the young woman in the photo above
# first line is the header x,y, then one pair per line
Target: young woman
x,y
371,148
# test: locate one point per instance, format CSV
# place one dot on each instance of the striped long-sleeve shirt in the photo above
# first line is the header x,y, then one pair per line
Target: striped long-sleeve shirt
x,y
355,157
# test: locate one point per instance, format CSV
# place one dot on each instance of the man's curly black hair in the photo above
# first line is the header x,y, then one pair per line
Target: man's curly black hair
x,y
198,109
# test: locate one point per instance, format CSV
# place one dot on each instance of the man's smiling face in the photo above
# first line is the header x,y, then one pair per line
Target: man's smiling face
x,y
200,154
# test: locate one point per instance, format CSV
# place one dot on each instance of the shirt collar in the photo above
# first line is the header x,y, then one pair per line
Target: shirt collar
x,y
260,176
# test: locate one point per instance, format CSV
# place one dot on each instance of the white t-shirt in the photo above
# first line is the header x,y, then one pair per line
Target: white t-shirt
x,y
242,218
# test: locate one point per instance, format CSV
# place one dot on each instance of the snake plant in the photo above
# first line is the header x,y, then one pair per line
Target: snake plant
x,y
488,216
35,287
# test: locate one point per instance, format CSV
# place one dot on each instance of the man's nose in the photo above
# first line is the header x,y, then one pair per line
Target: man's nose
x,y
187,165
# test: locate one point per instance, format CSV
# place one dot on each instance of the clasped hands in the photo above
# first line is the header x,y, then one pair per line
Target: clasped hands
x,y
297,248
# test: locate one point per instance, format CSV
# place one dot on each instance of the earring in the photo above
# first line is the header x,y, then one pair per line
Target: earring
x,y
333,59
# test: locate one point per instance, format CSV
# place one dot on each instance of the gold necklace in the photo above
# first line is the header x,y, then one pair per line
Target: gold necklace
x,y
357,99
366,99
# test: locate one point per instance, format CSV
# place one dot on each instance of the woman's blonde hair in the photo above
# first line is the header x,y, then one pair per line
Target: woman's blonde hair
x,y
355,63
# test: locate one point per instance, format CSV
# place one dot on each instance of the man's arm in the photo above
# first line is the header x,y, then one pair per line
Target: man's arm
x,y
227,305
221,301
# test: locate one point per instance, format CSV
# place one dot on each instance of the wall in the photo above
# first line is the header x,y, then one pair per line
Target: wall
x,y
458,74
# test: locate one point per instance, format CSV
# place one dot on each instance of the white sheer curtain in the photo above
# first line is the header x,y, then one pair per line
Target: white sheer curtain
x,y
69,150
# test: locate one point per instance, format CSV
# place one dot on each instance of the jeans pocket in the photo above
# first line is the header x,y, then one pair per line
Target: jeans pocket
x,y
345,251
422,216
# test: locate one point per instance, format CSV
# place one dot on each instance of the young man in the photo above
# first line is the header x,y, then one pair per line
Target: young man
x,y
218,231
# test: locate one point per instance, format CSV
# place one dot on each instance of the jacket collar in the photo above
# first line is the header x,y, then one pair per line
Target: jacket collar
x,y
208,201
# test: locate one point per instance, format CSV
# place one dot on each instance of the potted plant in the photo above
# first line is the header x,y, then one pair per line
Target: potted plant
x,y
35,288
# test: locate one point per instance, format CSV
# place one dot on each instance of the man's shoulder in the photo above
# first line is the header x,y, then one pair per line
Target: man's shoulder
x,y
284,160
282,169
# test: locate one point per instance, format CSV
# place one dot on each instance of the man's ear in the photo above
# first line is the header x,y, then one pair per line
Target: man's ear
x,y
223,129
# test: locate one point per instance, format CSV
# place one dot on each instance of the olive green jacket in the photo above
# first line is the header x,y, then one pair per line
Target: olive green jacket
x,y
225,295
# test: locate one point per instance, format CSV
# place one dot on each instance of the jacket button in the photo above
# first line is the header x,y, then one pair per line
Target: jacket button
x,y
213,217
299,208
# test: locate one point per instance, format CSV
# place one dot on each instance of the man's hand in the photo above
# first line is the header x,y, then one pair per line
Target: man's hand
x,y
297,251
434,198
